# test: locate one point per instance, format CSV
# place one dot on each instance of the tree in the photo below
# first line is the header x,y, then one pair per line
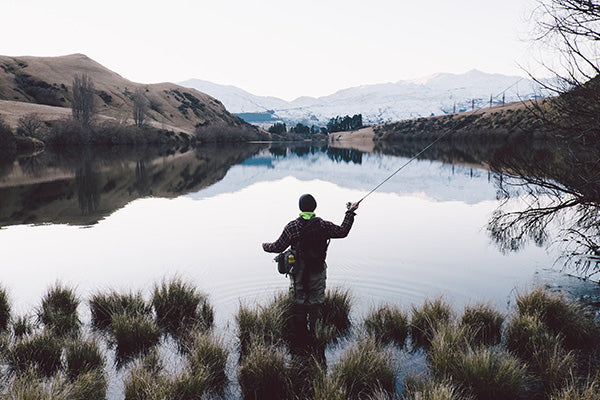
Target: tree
x,y
140,106
83,98
29,124
278,128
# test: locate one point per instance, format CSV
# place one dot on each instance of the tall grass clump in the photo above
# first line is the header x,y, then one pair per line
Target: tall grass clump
x,y
491,373
434,390
326,388
104,307
589,390
264,324
21,326
28,386
569,319
427,319
208,357
42,352
264,374
83,357
4,310
90,385
58,311
133,335
364,369
142,384
484,322
336,311
448,345
527,334
387,324
180,307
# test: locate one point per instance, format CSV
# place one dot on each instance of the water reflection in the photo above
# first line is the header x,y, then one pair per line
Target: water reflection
x,y
561,185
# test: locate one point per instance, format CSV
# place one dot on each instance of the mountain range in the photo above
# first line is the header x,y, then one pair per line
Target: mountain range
x,y
437,94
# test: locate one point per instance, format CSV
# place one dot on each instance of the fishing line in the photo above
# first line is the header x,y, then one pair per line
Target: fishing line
x,y
349,204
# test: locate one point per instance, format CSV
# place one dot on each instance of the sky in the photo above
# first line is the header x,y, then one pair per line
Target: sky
x,y
278,48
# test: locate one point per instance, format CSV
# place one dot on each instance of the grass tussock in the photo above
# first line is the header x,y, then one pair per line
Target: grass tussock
x,y
427,319
142,384
58,311
588,390
434,390
41,352
104,307
336,311
5,310
491,373
485,322
526,334
21,326
387,324
448,345
208,358
569,319
90,385
264,374
364,369
190,385
83,357
26,385
264,325
180,307
133,335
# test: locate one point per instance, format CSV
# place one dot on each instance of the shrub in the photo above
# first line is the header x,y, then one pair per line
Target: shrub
x,y
59,311
364,369
4,310
264,374
104,307
387,324
133,335
485,322
180,307
208,357
83,357
427,319
42,352
561,316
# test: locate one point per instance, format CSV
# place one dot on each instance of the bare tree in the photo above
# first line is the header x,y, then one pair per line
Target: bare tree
x,y
83,98
29,124
140,107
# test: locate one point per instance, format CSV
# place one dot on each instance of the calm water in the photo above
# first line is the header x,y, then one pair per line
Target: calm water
x,y
127,221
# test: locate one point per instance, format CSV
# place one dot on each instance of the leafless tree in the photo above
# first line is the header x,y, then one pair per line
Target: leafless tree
x,y
29,124
83,98
140,107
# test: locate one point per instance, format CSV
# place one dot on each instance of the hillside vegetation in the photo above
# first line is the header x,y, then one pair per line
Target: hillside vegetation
x,y
28,82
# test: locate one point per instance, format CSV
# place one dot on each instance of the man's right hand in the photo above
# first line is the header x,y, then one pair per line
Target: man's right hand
x,y
353,206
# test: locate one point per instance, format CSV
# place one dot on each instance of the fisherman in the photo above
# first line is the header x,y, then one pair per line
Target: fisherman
x,y
309,235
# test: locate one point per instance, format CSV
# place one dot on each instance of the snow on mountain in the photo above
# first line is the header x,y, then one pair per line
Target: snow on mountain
x,y
437,94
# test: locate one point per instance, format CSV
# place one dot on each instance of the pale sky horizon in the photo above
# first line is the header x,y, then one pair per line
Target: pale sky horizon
x,y
278,48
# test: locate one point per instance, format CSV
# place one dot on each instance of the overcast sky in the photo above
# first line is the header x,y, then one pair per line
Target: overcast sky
x,y
280,48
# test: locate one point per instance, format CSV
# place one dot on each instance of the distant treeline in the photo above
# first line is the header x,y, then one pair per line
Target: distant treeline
x,y
337,124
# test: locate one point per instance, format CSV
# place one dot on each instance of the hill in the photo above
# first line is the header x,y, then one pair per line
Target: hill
x,y
438,94
27,82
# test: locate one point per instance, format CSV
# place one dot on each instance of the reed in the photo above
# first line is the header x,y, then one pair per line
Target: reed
x,y
42,352
387,324
427,319
83,357
364,369
104,307
133,335
485,322
569,319
264,374
58,311
180,307
5,310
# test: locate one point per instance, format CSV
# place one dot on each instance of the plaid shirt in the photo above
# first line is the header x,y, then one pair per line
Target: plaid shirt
x,y
291,232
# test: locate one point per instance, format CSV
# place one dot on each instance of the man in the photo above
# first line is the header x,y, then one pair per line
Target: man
x,y
309,235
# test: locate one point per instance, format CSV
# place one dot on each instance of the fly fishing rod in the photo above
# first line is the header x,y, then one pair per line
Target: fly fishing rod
x,y
349,204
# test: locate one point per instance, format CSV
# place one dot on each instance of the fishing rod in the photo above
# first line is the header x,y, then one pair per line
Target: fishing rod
x,y
349,204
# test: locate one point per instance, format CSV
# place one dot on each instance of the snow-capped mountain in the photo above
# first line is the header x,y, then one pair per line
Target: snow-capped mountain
x,y
434,95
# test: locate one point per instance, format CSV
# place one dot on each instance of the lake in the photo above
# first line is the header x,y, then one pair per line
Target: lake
x,y
125,220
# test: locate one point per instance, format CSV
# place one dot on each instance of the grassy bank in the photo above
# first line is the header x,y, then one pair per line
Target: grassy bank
x,y
546,347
